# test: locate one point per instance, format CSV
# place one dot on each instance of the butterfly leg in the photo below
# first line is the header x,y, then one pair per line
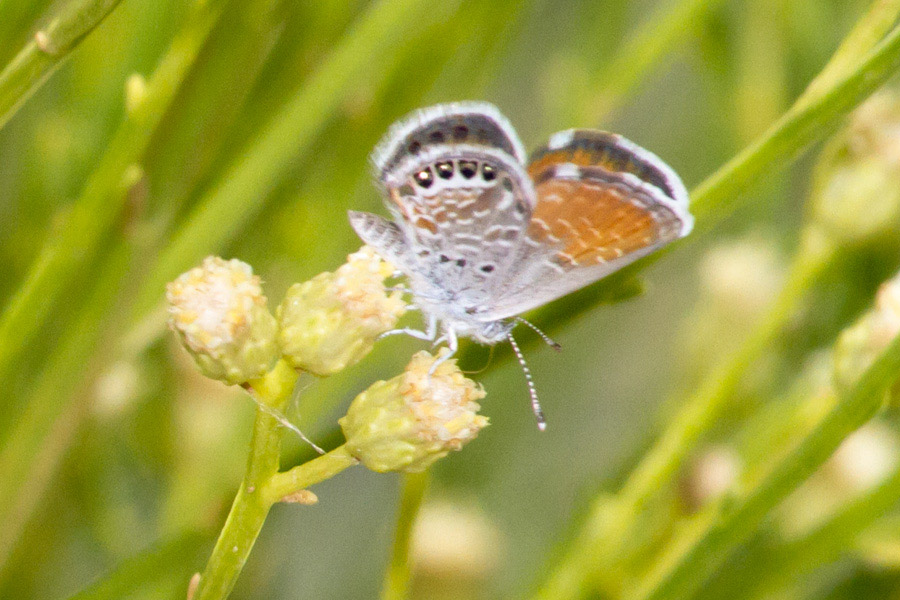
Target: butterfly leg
x,y
452,344
429,334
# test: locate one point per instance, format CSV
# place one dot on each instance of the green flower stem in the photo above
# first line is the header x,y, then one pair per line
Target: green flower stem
x,y
247,184
637,57
302,476
710,538
46,51
397,577
810,119
612,521
865,35
789,562
102,198
262,486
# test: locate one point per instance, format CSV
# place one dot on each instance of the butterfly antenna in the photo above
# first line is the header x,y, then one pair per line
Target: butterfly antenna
x,y
535,404
547,339
283,420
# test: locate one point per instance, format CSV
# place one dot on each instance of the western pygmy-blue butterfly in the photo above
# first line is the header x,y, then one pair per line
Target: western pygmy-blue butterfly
x,y
484,235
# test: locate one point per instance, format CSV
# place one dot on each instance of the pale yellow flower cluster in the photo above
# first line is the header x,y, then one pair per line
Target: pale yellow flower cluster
x,y
414,419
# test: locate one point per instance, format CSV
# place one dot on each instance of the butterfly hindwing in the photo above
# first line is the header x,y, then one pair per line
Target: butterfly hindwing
x,y
470,123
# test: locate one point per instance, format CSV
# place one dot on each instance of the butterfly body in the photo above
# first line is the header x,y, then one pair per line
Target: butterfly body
x,y
484,236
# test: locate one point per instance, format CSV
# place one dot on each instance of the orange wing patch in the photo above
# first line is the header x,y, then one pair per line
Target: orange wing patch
x,y
593,222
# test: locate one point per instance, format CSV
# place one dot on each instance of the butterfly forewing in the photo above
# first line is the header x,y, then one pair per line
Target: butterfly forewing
x,y
602,204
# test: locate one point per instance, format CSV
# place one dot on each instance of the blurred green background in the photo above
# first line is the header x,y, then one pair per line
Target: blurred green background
x,y
143,456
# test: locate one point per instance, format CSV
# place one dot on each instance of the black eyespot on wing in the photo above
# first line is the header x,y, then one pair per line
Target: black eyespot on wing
x,y
414,148
468,168
460,262
444,169
437,137
425,178
488,172
445,258
460,132
487,268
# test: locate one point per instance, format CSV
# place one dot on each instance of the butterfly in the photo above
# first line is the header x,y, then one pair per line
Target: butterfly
x,y
484,234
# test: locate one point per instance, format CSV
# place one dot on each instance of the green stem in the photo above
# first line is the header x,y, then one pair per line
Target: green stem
x,y
791,561
613,520
639,54
262,486
810,119
865,35
247,184
46,51
302,476
709,539
397,578
102,198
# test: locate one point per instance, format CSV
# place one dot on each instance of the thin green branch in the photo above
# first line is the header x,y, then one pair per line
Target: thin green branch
x,y
46,51
244,188
810,119
865,35
103,197
614,519
791,561
262,486
710,538
637,57
397,577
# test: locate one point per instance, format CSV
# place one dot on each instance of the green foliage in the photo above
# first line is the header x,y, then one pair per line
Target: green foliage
x,y
138,137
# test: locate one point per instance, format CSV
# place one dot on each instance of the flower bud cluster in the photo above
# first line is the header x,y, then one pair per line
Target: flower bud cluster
x,y
331,321
219,312
324,325
857,188
412,420
860,344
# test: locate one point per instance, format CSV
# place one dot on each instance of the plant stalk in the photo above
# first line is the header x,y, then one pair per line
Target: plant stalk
x,y
397,578
262,486
41,56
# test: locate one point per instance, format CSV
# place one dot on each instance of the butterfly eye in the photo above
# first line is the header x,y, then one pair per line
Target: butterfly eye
x,y
444,169
424,178
488,172
468,168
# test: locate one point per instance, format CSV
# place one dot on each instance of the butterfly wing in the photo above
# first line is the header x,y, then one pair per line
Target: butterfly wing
x,y
603,203
463,211
472,123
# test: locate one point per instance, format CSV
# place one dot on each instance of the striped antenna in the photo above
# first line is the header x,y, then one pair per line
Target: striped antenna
x,y
535,404
547,339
